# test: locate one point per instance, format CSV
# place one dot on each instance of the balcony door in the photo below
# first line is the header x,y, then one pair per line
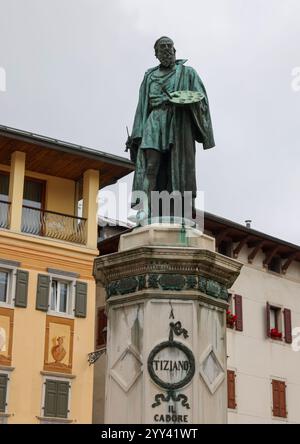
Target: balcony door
x,y
33,206
4,205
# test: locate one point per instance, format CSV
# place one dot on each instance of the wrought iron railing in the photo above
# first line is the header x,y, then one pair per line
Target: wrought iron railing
x,y
54,225
4,214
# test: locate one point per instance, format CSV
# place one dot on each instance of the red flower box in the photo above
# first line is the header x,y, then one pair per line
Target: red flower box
x,y
275,334
230,319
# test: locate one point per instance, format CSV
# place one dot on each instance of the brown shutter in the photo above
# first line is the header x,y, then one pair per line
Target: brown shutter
x,y
279,399
238,307
268,320
282,400
288,326
101,326
276,401
231,389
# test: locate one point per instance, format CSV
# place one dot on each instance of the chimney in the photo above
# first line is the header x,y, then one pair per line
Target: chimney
x,y
248,223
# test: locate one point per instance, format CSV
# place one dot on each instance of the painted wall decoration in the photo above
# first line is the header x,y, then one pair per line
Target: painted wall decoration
x,y
59,344
6,335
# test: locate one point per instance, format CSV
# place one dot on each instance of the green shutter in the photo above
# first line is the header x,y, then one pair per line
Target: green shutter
x,y
42,294
62,399
21,289
56,398
3,390
50,406
81,299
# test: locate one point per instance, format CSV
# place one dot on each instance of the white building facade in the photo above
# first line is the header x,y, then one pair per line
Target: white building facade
x,y
263,362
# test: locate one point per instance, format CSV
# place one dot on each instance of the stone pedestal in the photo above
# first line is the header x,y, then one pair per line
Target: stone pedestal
x,y
166,351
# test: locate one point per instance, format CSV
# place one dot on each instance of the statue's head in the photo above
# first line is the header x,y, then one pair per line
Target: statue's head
x,y
165,51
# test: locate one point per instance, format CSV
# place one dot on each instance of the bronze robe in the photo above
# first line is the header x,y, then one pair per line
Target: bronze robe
x,y
192,123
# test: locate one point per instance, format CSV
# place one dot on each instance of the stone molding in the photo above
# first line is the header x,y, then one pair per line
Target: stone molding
x,y
166,269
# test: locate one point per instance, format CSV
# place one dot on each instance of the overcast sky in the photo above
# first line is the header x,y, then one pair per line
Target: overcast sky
x,y
73,70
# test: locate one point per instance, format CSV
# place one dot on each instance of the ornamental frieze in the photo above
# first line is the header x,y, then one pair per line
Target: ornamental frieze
x,y
164,282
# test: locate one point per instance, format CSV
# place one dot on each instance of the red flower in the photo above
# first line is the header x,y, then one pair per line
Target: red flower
x,y
230,319
275,334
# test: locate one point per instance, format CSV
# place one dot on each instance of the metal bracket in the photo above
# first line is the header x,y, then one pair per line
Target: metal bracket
x,y
94,356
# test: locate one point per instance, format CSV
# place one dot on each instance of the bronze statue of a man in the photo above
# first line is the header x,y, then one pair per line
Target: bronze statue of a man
x,y
165,129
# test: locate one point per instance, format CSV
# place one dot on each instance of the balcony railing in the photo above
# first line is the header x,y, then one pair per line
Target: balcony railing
x,y
54,225
4,214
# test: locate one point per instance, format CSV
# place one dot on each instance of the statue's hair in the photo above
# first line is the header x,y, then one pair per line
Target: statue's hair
x,y
158,40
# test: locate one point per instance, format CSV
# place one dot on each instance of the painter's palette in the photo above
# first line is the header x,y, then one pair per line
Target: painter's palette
x,y
186,97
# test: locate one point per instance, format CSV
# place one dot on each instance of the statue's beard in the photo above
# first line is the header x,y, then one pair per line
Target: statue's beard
x,y
167,59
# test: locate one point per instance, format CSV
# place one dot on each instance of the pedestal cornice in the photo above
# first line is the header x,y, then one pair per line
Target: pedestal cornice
x,y
162,269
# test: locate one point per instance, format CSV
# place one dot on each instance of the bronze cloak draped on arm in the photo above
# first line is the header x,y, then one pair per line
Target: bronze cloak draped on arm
x,y
191,123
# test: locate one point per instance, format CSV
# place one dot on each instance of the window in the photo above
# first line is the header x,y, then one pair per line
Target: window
x,y
33,203
231,389
235,312
275,264
4,285
60,296
78,198
274,317
102,328
225,248
13,284
4,207
279,398
4,187
3,392
34,191
279,320
274,322
56,398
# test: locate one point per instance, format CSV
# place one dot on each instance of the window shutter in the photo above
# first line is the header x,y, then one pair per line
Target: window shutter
x,y
288,326
62,399
3,391
42,294
21,289
50,406
101,325
268,320
279,399
81,299
282,400
238,312
276,402
231,389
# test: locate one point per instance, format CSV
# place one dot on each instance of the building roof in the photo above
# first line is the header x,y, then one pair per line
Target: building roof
x,y
62,159
224,229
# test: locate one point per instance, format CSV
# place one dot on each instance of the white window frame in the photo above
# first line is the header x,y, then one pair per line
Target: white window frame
x,y
11,287
231,302
52,419
279,309
70,298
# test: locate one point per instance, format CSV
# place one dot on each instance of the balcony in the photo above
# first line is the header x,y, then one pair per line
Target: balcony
x,y
4,214
54,225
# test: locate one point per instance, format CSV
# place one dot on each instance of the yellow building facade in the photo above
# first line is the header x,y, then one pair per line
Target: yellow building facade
x,y
48,242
